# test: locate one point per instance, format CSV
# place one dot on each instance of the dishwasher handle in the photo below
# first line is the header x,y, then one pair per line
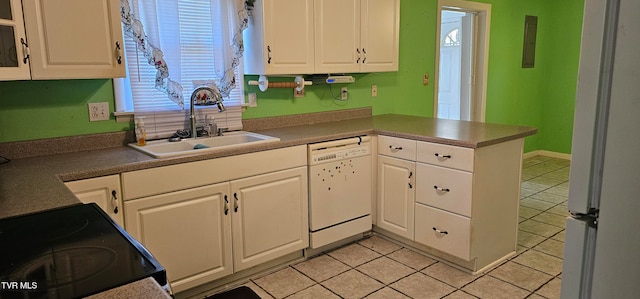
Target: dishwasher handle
x,y
339,143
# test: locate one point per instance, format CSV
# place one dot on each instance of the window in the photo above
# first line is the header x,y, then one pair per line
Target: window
x,y
190,41
451,39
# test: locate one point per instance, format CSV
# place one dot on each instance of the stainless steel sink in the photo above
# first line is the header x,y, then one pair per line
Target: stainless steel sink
x,y
164,148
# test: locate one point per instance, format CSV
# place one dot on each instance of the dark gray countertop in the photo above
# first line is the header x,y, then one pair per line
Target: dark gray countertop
x,y
33,184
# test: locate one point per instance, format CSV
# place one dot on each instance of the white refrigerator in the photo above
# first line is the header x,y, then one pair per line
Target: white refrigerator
x,y
602,243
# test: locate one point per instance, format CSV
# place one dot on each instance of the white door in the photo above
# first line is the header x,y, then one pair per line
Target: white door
x,y
270,216
462,58
396,193
450,63
188,231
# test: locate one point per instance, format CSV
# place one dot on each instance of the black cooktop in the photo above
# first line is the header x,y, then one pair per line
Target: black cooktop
x,y
69,252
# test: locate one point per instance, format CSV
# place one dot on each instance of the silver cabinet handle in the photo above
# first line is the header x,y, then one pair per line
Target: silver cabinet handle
x,y
443,156
114,197
119,52
25,51
235,202
365,56
395,148
442,232
358,51
226,205
441,189
410,175
268,54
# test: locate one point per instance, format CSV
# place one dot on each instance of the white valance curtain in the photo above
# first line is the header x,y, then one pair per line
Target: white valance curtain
x,y
171,43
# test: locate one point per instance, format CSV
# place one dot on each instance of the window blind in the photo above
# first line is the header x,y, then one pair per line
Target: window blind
x,y
188,39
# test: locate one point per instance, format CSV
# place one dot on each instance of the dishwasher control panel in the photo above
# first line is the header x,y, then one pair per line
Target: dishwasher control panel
x,y
339,150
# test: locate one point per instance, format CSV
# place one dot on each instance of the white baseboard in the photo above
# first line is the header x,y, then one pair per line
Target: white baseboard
x,y
547,154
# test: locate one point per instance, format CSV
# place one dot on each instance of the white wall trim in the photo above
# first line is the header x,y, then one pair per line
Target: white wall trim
x,y
546,154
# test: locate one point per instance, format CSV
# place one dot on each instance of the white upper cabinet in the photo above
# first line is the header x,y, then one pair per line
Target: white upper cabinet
x,y
337,29
322,36
68,39
380,35
356,35
12,52
279,39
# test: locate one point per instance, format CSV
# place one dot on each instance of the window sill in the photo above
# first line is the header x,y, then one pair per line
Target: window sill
x,y
123,117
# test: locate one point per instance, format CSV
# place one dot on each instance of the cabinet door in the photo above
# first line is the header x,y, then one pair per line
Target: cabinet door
x,y
104,191
188,231
380,30
74,38
270,216
396,193
337,36
288,36
12,63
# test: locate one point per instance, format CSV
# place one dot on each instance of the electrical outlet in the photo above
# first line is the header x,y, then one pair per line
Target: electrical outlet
x,y
374,91
344,95
99,111
425,79
253,99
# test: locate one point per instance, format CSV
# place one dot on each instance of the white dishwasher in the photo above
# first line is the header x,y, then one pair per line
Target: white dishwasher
x,y
339,189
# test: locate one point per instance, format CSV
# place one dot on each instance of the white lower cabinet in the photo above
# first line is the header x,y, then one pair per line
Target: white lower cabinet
x,y
396,195
444,231
104,191
188,231
200,234
271,218
460,203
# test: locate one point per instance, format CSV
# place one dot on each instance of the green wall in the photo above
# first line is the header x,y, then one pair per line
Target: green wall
x,y
53,108
542,96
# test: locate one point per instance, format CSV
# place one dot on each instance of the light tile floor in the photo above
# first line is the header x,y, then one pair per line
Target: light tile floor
x,y
377,268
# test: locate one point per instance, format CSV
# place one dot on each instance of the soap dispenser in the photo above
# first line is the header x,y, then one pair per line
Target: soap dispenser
x,y
141,133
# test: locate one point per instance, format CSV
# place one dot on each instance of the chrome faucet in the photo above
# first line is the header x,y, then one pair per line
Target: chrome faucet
x,y
204,95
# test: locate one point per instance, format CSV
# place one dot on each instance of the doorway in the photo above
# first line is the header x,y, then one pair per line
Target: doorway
x,y
461,60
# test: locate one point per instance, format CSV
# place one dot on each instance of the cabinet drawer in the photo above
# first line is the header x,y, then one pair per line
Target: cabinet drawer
x,y
445,155
444,188
397,147
443,231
